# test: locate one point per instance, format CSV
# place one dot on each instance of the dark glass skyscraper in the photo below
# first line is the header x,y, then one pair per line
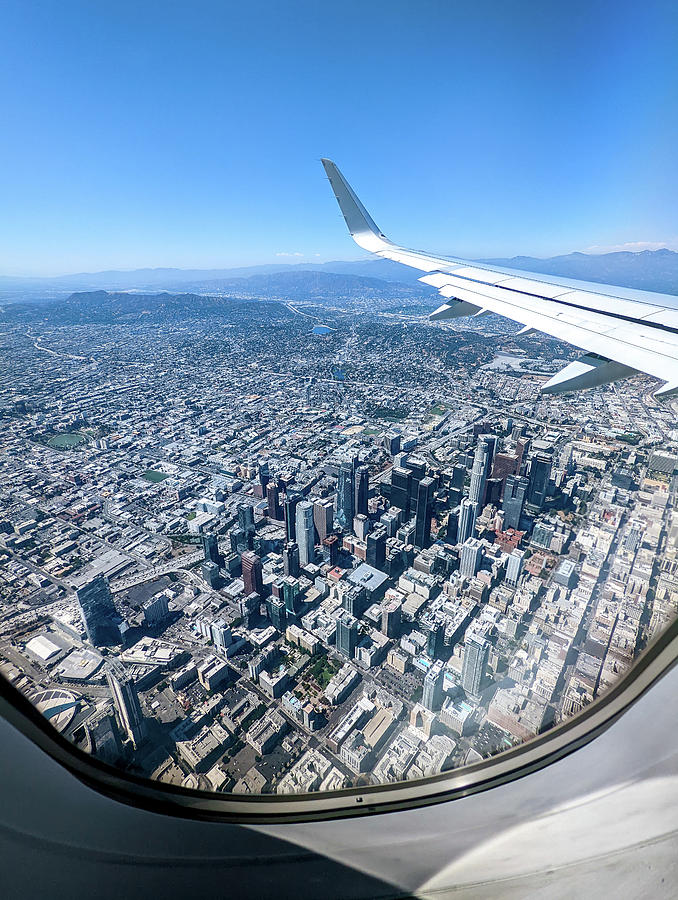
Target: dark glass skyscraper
x,y
98,611
291,559
422,529
362,490
401,479
376,547
345,496
347,633
432,695
210,546
540,472
290,508
515,491
127,704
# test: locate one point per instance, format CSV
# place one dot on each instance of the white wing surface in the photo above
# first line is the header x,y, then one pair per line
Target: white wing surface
x,y
622,335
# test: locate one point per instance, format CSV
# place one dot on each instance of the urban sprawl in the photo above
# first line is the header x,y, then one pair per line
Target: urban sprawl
x,y
284,548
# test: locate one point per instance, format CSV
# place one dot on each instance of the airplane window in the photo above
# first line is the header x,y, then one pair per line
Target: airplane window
x,y
267,545
273,524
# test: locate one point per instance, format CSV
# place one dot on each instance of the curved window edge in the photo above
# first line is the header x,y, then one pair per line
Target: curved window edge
x,y
454,784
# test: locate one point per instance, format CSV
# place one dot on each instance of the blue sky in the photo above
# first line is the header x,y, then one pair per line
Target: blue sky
x,y
189,134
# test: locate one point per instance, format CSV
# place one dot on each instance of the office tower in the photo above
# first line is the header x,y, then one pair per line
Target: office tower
x,y
345,496
467,520
98,612
471,556
361,526
422,526
210,546
432,696
264,476
390,523
417,466
481,467
493,490
392,443
246,519
305,532
127,703
474,665
291,559
376,548
362,491
505,464
156,610
331,549
354,600
435,638
278,613
458,477
347,633
515,491
401,479
517,432
211,574
391,618
406,532
273,501
515,566
252,573
323,519
290,595
290,510
540,472
221,635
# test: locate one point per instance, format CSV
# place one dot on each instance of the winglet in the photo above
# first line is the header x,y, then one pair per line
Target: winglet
x,y
361,225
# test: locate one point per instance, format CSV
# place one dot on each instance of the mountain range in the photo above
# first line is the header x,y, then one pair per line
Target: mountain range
x,y
651,270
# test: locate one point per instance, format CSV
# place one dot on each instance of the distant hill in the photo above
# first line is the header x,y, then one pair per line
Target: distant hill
x,y
650,270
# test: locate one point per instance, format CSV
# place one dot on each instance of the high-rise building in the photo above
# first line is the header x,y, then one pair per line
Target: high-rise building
x,y
422,526
375,555
246,518
432,695
542,535
471,556
481,469
323,519
401,480
273,501
540,472
391,618
156,609
345,496
278,613
264,476
127,703
291,559
458,476
305,532
221,635
467,520
355,600
361,526
291,592
514,566
392,443
210,546
98,611
252,575
505,464
290,511
331,549
515,491
435,638
474,665
347,633
211,574
362,491
493,489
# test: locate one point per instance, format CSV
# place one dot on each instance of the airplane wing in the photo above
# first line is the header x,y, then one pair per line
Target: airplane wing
x,y
622,335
